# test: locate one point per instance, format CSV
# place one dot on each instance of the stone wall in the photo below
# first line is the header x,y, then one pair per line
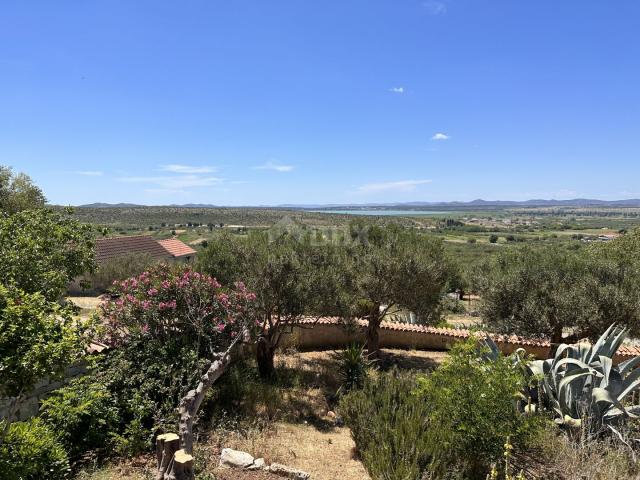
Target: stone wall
x,y
30,406
329,333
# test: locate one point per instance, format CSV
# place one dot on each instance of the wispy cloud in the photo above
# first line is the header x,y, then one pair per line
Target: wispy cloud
x,y
177,182
90,173
177,168
399,186
434,7
397,90
164,191
277,167
440,136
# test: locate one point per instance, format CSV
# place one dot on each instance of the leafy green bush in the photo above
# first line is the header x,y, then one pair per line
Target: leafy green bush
x,y
119,268
146,379
82,414
31,451
472,402
452,305
38,338
388,423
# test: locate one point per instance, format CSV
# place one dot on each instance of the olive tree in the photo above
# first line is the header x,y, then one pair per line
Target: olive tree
x,y
551,291
291,278
395,269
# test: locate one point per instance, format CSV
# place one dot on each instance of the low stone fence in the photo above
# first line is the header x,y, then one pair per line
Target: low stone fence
x,y
31,404
331,333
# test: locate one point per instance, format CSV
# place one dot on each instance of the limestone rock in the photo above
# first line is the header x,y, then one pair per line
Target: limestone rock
x,y
235,459
258,464
288,472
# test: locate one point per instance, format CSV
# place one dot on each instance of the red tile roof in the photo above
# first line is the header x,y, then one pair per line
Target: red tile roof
x,y
176,248
113,247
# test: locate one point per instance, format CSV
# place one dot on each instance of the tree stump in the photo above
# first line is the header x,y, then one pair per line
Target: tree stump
x,y
166,447
182,467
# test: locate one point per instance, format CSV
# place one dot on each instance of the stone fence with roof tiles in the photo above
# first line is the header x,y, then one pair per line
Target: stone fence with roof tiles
x,y
330,333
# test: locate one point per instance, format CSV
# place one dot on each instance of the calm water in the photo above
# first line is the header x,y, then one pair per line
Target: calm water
x,y
395,213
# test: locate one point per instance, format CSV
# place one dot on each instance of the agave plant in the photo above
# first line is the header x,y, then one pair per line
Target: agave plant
x,y
581,382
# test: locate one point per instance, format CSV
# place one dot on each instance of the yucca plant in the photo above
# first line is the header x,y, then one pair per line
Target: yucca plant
x,y
581,383
353,365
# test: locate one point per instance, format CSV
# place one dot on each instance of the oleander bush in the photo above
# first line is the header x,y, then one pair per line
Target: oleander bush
x,y
82,414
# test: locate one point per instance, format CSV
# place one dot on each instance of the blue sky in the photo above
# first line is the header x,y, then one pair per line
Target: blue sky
x,y
248,102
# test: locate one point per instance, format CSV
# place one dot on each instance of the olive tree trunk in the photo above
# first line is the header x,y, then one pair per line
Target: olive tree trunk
x,y
265,353
373,337
175,452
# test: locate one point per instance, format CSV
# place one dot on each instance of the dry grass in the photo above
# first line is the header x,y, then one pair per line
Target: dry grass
x,y
556,457
326,455
288,422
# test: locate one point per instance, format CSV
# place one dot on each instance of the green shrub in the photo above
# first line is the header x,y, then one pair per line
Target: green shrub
x,y
452,305
119,268
388,423
472,401
82,414
146,379
353,366
31,451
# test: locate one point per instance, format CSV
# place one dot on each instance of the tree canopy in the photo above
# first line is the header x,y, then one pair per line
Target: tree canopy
x,y
17,192
395,269
546,291
43,250
38,339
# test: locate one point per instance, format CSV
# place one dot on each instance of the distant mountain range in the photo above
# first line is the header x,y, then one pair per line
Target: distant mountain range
x,y
479,203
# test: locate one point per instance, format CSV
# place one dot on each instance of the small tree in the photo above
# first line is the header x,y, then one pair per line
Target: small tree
x,y
291,279
43,250
17,192
176,305
544,291
180,306
38,339
395,269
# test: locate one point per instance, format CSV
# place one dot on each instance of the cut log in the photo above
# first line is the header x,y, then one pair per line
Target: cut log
x,y
166,446
182,467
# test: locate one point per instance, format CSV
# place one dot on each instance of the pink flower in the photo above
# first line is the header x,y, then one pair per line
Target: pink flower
x,y
145,328
166,285
221,327
152,292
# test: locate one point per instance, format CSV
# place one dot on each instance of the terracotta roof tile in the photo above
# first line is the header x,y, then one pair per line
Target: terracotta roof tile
x,y
176,248
113,247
